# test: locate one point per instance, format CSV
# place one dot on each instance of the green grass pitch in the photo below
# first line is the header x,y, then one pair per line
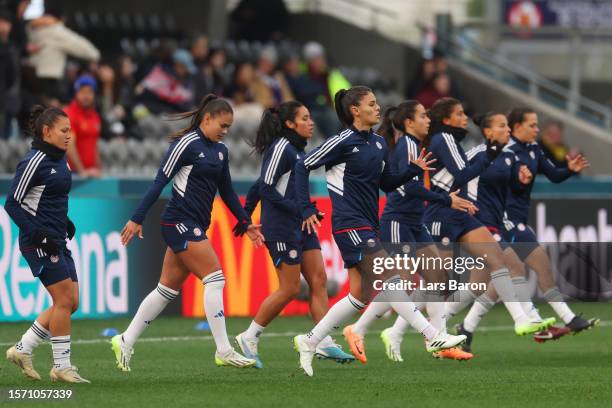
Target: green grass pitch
x,y
178,372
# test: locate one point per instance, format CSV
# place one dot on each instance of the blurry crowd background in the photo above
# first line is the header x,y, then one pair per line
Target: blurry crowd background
x,y
120,77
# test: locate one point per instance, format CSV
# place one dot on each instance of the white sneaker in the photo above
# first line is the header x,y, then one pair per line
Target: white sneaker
x,y
249,348
443,340
233,359
300,344
123,352
68,374
23,361
392,344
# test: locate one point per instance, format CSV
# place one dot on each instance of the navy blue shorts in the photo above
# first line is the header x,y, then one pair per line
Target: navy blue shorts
x,y
355,243
178,234
450,229
50,269
499,236
291,252
522,238
395,232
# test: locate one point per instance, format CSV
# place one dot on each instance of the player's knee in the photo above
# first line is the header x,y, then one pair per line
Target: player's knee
x,y
318,283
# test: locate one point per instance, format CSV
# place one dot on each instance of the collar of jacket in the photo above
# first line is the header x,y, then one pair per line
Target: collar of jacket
x,y
298,141
364,133
457,132
414,138
47,148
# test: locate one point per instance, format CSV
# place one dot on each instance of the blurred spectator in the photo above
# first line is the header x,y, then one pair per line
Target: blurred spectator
x,y
424,74
8,70
259,20
553,144
270,87
55,42
212,74
247,112
199,50
437,88
83,152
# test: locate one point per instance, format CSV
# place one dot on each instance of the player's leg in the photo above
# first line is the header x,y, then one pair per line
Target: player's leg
x,y
201,260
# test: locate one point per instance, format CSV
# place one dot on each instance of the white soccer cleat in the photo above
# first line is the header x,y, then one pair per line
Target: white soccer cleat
x,y
443,341
306,353
123,352
392,344
68,375
249,349
233,359
23,361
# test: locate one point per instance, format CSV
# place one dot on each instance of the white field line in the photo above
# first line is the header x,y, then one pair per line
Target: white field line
x,y
272,334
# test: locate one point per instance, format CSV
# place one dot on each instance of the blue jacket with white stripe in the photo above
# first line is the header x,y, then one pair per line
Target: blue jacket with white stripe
x,y
357,165
453,170
199,167
38,197
407,203
531,155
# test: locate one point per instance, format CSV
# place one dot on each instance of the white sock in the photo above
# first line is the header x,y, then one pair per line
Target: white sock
x,y
500,279
459,301
437,314
556,301
335,316
254,331
481,307
400,326
149,309
213,305
61,351
408,311
32,338
375,311
521,287
419,298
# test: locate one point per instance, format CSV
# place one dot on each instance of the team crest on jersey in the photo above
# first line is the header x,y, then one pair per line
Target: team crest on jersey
x,y
220,156
293,254
406,249
371,242
297,156
517,158
497,237
197,232
445,241
508,161
521,227
532,154
379,145
54,258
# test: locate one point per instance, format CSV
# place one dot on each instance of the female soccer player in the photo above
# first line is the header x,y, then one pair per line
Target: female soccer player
x,y
404,127
499,196
453,170
281,139
198,162
357,166
38,204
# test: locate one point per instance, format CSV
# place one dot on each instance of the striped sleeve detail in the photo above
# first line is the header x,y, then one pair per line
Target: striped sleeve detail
x,y
327,147
475,150
454,151
178,149
276,157
27,175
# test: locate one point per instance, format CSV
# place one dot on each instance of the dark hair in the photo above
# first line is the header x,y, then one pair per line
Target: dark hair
x,y
440,110
484,121
517,115
394,118
211,104
272,124
40,117
344,99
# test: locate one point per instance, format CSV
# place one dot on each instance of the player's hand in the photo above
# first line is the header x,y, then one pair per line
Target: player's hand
x,y
128,232
240,228
494,149
577,164
424,161
525,176
311,223
70,229
461,204
254,233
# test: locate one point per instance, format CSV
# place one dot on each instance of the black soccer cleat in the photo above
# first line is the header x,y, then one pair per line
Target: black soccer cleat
x,y
579,324
467,346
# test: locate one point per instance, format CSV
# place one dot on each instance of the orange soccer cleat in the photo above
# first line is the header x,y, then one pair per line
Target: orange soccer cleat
x,y
355,343
454,353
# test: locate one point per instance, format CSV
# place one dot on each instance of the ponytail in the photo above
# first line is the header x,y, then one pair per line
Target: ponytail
x,y
394,119
441,109
41,117
211,104
484,121
273,123
344,99
387,127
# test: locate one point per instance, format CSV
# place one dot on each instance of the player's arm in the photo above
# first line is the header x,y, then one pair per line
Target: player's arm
x,y
273,167
252,198
25,178
445,150
560,174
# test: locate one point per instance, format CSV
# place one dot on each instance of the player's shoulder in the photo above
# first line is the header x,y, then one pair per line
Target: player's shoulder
x,y
475,150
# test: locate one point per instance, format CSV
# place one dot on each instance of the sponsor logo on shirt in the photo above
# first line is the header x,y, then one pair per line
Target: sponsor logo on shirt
x,y
53,171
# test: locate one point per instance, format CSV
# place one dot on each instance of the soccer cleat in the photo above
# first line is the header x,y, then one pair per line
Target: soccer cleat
x,y
335,353
68,374
392,345
306,353
249,349
123,352
355,343
549,321
531,327
467,346
23,361
233,359
443,340
552,333
579,324
454,353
